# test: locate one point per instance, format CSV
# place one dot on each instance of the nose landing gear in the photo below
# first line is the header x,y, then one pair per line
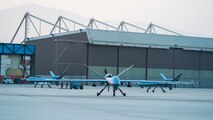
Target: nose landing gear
x,y
114,90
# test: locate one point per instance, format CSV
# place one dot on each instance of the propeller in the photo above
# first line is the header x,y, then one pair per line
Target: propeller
x,y
105,71
107,74
178,77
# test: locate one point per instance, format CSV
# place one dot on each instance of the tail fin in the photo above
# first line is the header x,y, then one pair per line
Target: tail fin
x,y
65,71
178,77
52,74
163,76
62,75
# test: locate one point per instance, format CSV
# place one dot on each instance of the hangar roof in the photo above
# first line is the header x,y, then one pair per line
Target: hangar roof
x,y
119,36
107,37
134,39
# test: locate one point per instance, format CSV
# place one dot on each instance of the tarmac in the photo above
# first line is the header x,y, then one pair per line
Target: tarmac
x,y
24,102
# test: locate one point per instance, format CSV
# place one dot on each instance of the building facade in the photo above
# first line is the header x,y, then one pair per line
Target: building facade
x,y
150,54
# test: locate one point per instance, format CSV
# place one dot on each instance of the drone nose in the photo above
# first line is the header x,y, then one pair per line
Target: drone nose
x,y
116,80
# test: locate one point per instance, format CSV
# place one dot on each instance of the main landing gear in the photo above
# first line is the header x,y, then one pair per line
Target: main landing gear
x,y
155,88
47,84
148,89
36,83
114,90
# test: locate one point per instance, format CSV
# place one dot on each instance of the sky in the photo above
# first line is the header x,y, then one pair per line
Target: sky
x,y
186,16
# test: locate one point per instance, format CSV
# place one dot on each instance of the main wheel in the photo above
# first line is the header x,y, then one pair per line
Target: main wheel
x,y
114,93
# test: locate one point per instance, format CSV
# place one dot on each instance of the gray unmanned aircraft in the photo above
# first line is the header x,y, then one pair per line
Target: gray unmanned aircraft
x,y
167,82
43,80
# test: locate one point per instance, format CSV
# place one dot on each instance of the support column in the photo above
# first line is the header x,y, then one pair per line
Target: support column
x,y
24,66
199,62
87,62
118,62
173,63
56,56
32,65
147,64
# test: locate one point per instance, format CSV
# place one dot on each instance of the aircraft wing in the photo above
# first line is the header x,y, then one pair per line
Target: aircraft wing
x,y
132,81
150,83
147,83
41,80
82,80
180,83
34,79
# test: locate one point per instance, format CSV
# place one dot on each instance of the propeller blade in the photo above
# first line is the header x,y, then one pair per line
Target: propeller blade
x,y
178,77
105,71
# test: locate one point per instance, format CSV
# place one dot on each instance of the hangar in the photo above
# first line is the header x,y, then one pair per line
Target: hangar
x,y
16,61
116,48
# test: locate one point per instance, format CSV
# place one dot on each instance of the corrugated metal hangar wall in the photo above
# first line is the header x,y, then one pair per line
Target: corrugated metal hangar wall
x,y
53,54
